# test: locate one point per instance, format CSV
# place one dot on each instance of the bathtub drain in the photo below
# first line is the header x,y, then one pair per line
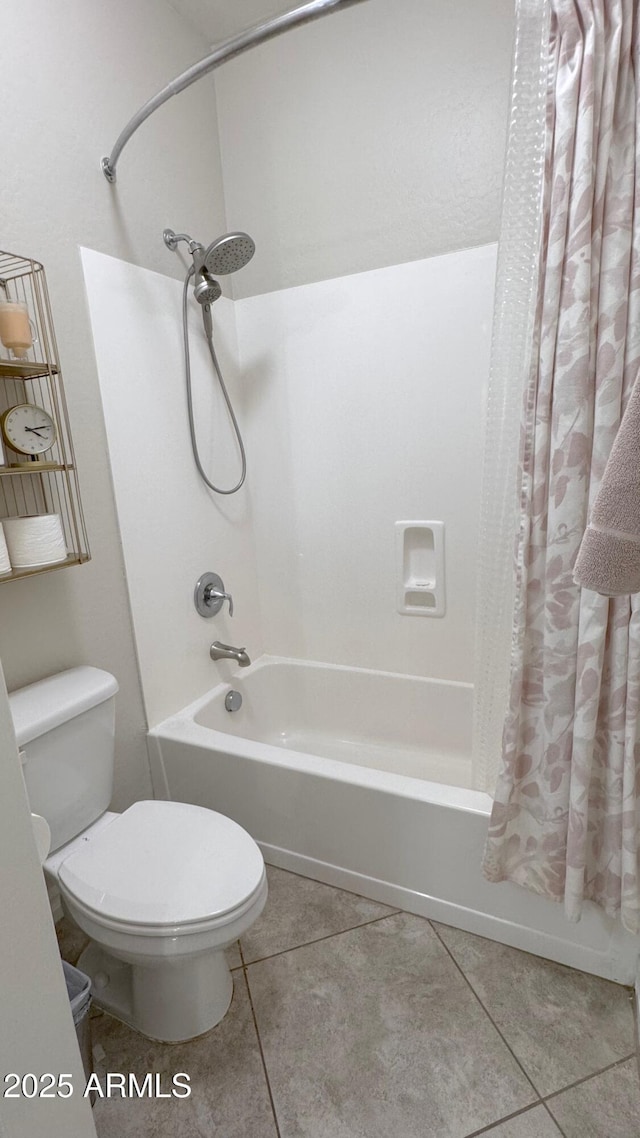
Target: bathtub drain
x,y
233,700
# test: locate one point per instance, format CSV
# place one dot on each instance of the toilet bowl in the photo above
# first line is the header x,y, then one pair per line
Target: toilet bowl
x,y
161,890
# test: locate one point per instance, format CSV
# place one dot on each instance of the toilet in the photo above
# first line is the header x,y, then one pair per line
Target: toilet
x,y
161,889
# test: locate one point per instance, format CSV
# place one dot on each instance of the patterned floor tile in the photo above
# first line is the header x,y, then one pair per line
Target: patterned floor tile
x,y
562,1024
300,910
229,1097
375,1033
607,1106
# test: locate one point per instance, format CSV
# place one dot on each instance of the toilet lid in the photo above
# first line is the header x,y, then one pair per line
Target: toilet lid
x,y
165,863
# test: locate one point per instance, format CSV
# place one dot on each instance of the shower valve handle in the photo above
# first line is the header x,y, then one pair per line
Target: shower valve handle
x,y
210,594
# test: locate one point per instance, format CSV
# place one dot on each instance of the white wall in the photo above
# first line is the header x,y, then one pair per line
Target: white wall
x,y
37,1032
73,73
173,528
366,406
369,138
219,19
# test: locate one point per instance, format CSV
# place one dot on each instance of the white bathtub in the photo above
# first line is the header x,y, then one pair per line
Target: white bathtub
x,y
357,778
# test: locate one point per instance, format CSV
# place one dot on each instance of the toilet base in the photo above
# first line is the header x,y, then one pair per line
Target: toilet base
x,y
172,1000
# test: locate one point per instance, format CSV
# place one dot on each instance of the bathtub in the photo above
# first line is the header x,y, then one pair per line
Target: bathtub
x,y
360,779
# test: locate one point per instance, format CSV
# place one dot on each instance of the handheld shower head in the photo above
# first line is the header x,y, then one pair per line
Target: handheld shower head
x,y
229,253
206,289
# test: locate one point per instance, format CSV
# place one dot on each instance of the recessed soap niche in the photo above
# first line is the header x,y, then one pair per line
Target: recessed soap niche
x,y
420,568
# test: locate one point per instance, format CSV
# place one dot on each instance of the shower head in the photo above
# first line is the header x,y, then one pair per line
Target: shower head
x,y
206,289
229,253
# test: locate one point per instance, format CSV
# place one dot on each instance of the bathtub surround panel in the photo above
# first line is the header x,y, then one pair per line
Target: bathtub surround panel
x,y
364,406
173,528
359,399
403,841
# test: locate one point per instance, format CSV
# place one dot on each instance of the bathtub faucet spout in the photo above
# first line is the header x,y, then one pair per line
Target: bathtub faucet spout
x,y
220,651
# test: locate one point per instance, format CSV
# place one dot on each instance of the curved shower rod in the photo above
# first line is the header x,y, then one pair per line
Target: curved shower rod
x,y
236,45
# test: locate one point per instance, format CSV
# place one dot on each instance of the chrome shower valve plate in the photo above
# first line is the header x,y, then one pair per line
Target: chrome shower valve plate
x,y
205,604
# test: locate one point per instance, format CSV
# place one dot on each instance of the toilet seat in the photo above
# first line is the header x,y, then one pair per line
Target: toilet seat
x,y
164,868
204,932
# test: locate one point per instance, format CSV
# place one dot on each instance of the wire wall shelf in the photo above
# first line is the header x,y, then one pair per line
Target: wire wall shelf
x,y
44,483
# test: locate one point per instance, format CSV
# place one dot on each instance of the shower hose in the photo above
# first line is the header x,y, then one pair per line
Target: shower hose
x,y
206,316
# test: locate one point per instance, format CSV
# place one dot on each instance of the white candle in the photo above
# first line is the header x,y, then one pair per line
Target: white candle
x,y
15,328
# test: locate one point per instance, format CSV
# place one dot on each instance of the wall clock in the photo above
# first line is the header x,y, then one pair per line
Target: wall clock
x,y
28,429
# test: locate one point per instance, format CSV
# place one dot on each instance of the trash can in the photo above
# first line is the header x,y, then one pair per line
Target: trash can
x,y
79,993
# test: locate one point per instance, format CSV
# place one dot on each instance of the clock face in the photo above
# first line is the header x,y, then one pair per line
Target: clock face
x,y
28,429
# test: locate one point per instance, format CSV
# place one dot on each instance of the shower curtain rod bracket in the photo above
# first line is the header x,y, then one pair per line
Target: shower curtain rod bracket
x,y
107,170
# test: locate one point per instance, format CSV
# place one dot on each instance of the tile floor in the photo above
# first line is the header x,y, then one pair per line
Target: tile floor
x,y
353,1020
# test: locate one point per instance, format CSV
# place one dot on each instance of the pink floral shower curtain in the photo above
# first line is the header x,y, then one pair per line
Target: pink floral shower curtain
x,y
566,811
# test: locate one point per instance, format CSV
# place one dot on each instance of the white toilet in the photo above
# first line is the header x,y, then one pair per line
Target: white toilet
x,y
161,890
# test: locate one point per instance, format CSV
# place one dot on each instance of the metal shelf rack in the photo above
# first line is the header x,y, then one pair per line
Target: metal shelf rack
x,y
48,485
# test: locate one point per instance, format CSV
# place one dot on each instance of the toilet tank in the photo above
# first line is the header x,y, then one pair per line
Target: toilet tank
x,y
65,729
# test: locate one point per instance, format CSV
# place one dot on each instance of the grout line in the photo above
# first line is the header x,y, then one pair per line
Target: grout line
x,y
237,967
635,996
488,1015
318,940
506,1118
264,1062
554,1120
578,1082
542,1100
593,1075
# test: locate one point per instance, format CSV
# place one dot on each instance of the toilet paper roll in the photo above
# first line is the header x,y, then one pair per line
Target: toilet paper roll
x,y
35,541
5,562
